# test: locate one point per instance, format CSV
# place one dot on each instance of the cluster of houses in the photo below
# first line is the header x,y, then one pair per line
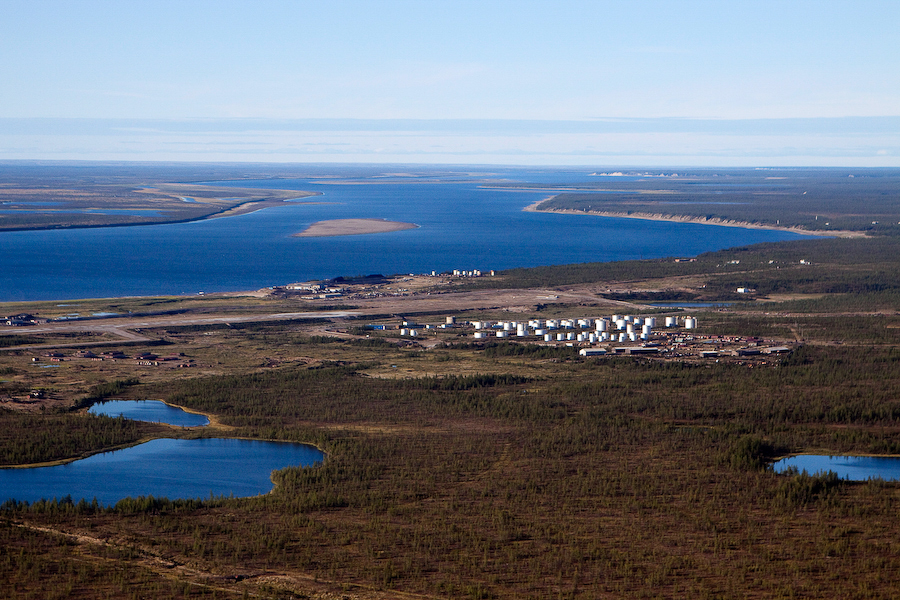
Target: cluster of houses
x,y
144,358
21,320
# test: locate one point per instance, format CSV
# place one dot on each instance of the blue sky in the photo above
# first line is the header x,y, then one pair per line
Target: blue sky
x,y
595,83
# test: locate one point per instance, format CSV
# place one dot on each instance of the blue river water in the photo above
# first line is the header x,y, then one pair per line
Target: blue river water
x,y
463,225
854,468
163,468
151,411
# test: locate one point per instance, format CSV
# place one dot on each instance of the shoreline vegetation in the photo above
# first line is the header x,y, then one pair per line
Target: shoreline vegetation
x,y
673,218
338,227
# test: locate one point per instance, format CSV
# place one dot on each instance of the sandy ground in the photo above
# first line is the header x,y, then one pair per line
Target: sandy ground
x,y
353,227
255,205
701,220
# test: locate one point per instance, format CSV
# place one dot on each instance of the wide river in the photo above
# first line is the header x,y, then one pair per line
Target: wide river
x,y
463,226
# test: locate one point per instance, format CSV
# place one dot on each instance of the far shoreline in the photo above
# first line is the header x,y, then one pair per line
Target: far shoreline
x,y
243,208
533,207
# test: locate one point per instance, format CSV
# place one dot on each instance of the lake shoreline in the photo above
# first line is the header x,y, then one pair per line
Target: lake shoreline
x,y
83,455
670,218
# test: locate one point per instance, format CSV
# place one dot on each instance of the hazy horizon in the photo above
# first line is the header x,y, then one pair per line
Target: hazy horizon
x,y
824,142
647,83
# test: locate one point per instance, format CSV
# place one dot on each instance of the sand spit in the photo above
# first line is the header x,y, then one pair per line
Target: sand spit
x,y
701,220
353,227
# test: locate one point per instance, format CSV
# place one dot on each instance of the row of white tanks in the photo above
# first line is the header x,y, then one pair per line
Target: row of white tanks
x,y
629,328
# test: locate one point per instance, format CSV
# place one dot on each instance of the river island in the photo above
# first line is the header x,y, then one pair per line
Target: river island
x,y
335,227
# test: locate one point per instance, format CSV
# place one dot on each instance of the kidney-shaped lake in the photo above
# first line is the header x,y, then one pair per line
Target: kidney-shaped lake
x,y
168,468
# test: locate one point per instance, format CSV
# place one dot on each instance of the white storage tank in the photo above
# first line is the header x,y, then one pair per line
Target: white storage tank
x,y
480,335
404,332
671,321
690,323
651,321
502,334
548,337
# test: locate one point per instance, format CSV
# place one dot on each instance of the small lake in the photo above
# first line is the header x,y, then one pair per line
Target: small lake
x,y
163,468
853,468
151,411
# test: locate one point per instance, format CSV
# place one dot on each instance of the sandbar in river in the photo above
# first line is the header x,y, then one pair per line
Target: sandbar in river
x,y
336,227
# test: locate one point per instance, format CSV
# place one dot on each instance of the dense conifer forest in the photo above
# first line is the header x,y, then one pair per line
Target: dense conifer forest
x,y
591,478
